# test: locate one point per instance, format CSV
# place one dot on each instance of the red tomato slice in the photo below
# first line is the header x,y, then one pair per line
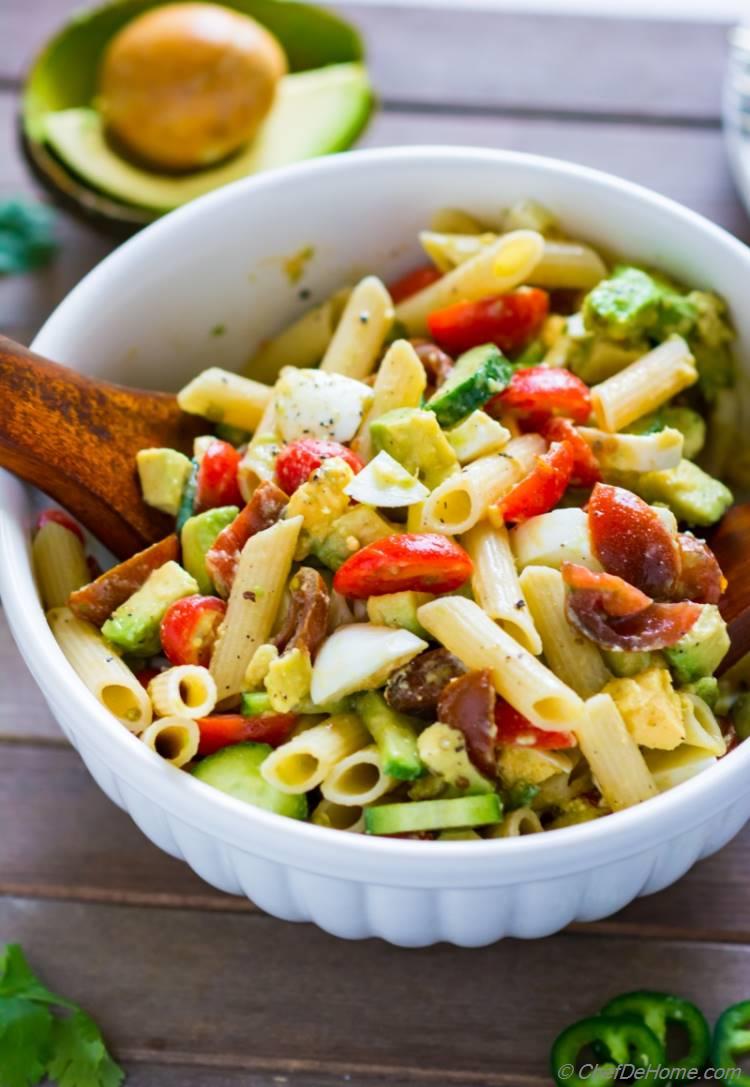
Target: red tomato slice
x,y
507,320
514,730
217,477
60,517
224,729
189,628
631,540
586,470
543,487
413,282
422,562
544,391
296,462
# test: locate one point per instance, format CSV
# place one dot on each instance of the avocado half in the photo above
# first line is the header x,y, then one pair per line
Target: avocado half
x,y
321,106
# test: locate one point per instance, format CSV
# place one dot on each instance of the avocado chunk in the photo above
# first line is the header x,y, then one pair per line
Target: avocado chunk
x,y
624,663
650,708
699,652
354,529
692,494
197,537
163,474
442,749
315,113
235,770
413,437
707,688
134,626
690,424
632,303
399,610
710,343
478,375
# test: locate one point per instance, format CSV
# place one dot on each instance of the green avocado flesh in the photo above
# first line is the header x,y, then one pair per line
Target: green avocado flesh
x,y
315,113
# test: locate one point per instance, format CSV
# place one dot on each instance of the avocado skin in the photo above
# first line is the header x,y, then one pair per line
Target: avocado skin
x,y
134,626
699,652
198,535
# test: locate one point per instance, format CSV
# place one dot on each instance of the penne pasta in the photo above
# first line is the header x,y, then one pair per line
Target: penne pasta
x,y
174,739
258,462
362,328
670,768
553,538
185,691
530,687
635,452
570,655
463,499
225,397
357,780
400,383
302,343
495,584
107,677
59,563
702,730
516,823
306,760
644,386
264,566
339,817
616,762
497,268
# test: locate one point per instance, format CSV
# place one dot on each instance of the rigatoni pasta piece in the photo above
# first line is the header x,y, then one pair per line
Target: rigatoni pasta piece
x,y
303,762
645,385
362,328
531,688
400,383
616,762
302,343
225,397
175,739
264,566
460,501
635,452
59,563
101,670
496,586
358,779
187,690
499,267
570,655
553,538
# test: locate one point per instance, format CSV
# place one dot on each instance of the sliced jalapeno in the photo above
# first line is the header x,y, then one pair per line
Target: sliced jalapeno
x,y
616,1040
657,1011
731,1042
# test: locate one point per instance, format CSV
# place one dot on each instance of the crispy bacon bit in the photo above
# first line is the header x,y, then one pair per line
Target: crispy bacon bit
x,y
632,542
700,577
307,619
616,615
96,601
468,704
263,510
437,364
416,688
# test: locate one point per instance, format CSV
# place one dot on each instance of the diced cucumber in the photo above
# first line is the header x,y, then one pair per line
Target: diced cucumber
x,y
394,733
254,703
235,770
478,375
465,811
187,502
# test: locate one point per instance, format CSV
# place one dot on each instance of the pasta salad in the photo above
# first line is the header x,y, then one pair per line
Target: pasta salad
x,y
440,574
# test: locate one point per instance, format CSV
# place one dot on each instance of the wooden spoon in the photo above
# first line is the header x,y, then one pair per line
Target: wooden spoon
x,y
76,439
731,545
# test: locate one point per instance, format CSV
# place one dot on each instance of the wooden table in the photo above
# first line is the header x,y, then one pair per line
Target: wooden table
x,y
198,989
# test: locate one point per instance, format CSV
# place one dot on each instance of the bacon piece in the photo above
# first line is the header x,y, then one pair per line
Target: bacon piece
x,y
307,618
468,704
616,615
631,541
263,510
96,601
700,577
416,688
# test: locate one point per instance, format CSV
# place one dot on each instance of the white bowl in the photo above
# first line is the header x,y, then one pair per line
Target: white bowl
x,y
145,316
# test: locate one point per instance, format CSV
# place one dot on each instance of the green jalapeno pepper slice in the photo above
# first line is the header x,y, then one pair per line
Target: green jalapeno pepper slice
x,y
657,1011
617,1040
732,1040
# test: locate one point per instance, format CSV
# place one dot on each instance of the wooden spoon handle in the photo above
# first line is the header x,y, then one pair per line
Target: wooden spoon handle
x,y
76,440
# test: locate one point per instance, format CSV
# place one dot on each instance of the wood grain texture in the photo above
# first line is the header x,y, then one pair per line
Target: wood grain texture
x,y
240,992
494,60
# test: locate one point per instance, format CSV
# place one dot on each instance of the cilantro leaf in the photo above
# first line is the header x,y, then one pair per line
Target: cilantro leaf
x,y
27,239
80,1055
25,1037
17,979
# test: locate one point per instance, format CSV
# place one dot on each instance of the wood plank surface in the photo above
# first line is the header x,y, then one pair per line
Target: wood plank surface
x,y
244,992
